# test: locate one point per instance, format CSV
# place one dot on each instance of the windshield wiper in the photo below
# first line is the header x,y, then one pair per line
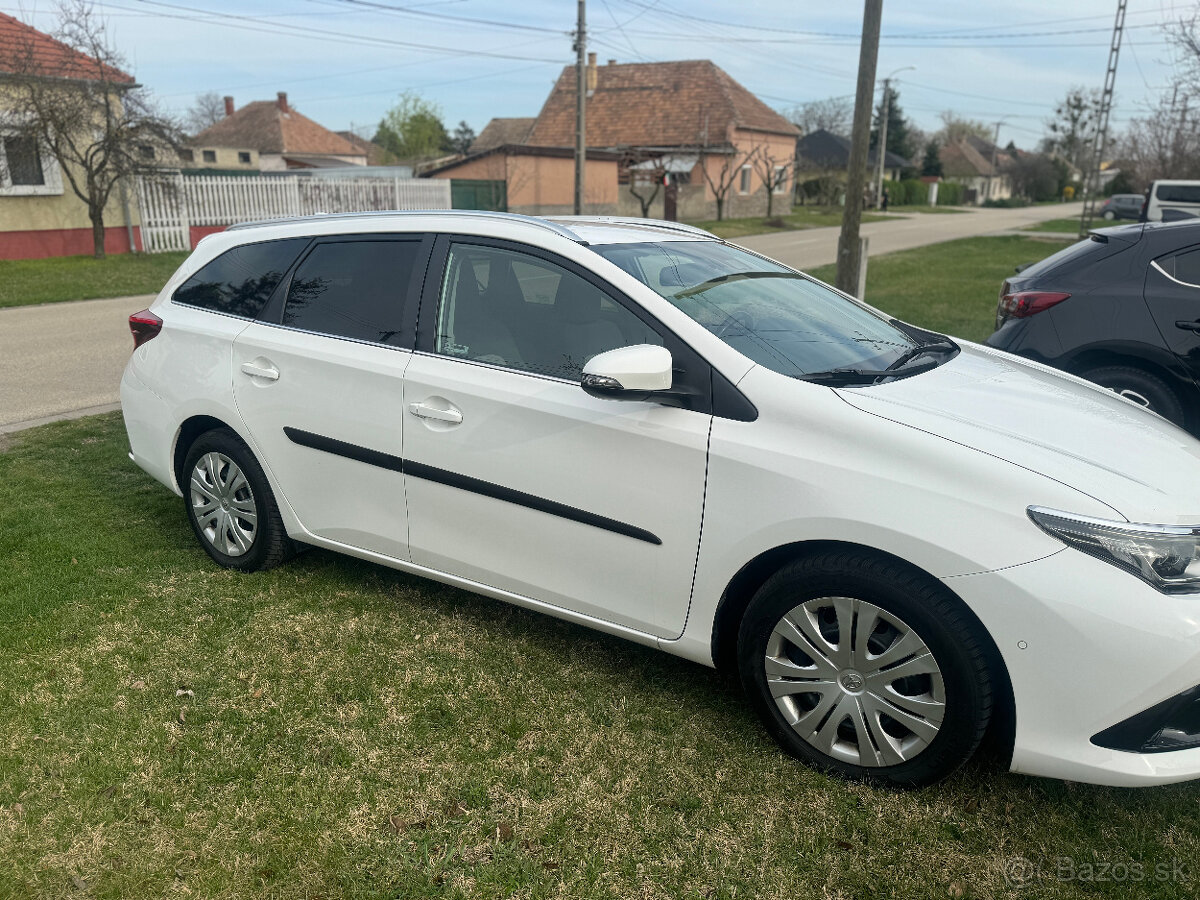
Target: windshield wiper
x,y
919,350
837,377
733,276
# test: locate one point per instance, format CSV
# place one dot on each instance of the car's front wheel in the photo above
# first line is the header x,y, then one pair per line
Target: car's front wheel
x,y
1109,215
230,505
861,667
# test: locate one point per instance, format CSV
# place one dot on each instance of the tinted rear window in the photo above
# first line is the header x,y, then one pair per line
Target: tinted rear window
x,y
240,281
1178,193
353,289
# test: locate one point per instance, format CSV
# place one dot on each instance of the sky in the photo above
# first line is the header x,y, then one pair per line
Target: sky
x,y
343,62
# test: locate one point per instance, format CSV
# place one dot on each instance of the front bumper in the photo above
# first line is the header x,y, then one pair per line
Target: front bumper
x,y
1087,646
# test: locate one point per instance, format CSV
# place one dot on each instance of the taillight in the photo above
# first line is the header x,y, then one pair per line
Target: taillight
x,y
143,326
1022,304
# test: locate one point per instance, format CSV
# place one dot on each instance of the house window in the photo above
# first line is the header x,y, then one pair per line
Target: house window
x,y
779,180
186,155
210,155
244,157
145,151
744,184
24,168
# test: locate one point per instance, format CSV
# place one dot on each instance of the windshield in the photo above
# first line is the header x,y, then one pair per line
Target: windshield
x,y
781,320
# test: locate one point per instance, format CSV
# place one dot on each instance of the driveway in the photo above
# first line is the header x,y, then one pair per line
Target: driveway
x,y
818,246
63,360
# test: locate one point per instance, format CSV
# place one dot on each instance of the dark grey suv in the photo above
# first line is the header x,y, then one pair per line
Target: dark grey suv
x,y
1122,309
1123,206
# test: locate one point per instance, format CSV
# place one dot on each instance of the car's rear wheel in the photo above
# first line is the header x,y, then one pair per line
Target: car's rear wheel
x,y
230,504
1141,387
864,668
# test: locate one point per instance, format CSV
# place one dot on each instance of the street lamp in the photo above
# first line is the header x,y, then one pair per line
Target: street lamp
x,y
881,147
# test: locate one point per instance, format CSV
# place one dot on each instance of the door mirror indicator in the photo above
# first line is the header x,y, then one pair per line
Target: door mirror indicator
x,y
629,373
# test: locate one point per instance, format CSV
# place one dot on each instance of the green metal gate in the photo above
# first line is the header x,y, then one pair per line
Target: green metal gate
x,y
478,193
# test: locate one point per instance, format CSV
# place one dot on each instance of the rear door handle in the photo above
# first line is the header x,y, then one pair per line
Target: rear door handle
x,y
427,411
1188,326
268,371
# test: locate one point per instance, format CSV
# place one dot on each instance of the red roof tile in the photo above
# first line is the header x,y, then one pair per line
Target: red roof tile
x,y
26,51
668,104
265,127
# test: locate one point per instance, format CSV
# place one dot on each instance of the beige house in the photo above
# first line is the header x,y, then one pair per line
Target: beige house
x,y
270,135
40,215
969,163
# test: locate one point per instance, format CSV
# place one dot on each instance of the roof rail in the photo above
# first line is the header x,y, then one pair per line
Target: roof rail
x,y
633,220
544,224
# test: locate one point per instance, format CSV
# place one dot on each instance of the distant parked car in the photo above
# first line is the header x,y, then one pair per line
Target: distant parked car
x,y
1121,309
1122,206
1169,201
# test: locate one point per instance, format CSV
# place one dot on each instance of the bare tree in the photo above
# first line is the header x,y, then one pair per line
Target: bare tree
x,y
646,171
729,166
207,109
1071,131
955,128
1165,143
97,124
1185,36
772,171
834,114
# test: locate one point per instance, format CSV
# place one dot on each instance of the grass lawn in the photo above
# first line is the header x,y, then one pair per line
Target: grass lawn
x,y
338,729
1063,226
28,281
950,287
800,217
936,210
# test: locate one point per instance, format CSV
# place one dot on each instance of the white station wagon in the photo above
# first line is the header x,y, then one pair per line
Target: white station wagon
x,y
898,540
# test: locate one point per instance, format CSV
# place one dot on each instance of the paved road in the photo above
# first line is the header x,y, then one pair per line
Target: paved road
x,y
62,358
818,246
65,359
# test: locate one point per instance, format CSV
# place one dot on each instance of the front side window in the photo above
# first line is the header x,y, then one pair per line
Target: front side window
x,y
353,289
240,281
772,315
522,312
1178,193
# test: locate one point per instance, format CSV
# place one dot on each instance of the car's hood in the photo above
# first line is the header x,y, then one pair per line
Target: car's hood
x,y
1142,466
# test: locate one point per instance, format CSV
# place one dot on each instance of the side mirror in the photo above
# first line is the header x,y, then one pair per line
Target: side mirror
x,y
628,373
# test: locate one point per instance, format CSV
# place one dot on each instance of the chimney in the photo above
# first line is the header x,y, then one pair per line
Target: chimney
x,y
591,74
281,102
612,62
229,106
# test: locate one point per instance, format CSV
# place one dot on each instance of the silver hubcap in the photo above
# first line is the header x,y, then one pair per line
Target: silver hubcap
x,y
223,504
855,681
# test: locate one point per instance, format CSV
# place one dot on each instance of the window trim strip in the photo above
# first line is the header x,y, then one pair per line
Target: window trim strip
x,y
465,483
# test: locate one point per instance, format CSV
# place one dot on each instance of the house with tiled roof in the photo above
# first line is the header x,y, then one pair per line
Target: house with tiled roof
x,y
687,123
376,155
39,213
978,165
281,137
498,132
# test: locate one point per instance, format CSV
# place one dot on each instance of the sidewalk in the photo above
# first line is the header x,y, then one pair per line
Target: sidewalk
x,y
63,358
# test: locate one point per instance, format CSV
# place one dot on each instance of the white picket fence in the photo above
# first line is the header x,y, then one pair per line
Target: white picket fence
x,y
171,205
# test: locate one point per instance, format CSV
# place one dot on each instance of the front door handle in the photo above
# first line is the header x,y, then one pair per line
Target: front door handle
x,y
267,371
428,411
1188,326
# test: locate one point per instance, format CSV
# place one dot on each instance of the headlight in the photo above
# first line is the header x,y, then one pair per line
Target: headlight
x,y
1165,556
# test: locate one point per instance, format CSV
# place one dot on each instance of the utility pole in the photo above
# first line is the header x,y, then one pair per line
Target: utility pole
x,y
881,148
849,248
1091,184
580,105
992,173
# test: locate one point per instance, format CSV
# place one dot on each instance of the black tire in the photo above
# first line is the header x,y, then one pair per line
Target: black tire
x,y
1137,385
956,640
269,545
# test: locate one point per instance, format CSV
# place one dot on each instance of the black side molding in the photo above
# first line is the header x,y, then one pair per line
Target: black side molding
x,y
465,483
